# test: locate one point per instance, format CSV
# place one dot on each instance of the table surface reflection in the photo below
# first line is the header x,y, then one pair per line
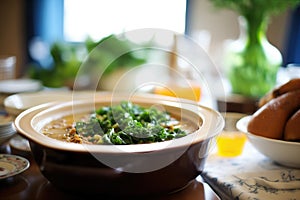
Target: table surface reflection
x,y
31,184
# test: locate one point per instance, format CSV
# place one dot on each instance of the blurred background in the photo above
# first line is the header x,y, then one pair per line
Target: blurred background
x,y
31,29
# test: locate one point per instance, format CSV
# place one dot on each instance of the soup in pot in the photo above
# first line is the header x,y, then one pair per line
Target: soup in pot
x,y
125,123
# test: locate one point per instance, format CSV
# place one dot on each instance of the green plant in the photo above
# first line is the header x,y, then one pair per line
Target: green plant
x,y
68,57
256,8
252,68
256,12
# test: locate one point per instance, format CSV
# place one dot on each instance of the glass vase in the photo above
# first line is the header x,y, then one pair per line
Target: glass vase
x,y
251,62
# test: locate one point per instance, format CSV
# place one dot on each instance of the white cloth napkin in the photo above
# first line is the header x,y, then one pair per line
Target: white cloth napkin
x,y
251,176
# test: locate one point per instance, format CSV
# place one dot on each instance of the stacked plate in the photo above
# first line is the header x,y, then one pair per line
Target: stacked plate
x,y
13,86
7,129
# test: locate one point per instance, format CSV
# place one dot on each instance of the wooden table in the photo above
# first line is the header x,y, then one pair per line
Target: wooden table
x,y
31,184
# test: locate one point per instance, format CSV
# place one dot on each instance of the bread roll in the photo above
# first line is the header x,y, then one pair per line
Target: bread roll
x,y
292,128
289,86
269,120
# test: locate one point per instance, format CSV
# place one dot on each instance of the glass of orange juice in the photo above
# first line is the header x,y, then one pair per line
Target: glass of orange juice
x,y
231,142
192,91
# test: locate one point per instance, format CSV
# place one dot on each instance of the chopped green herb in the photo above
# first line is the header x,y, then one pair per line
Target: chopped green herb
x,y
128,123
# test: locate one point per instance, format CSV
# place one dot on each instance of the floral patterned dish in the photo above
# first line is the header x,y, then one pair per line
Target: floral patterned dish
x,y
11,165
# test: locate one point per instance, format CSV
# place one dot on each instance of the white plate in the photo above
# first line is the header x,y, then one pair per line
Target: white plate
x,y
11,165
19,85
17,103
7,129
280,151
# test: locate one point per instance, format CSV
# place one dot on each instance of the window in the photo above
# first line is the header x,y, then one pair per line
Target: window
x,y
293,40
100,18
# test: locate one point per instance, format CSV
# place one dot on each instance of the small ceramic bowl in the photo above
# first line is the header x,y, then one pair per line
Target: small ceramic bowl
x,y
121,170
280,151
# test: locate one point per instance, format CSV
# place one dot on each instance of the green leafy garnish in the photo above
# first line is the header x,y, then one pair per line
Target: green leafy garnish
x,y
128,123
